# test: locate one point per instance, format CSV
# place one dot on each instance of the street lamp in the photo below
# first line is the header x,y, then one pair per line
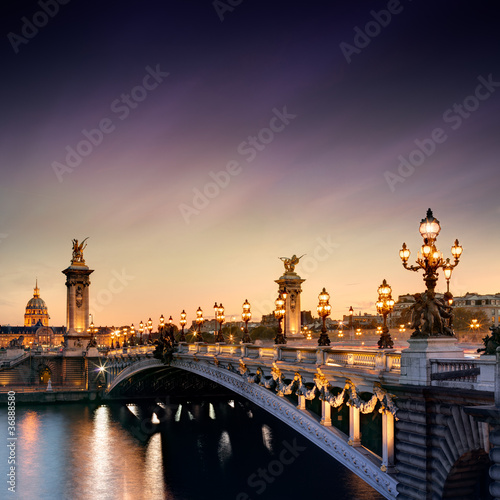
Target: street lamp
x,y
279,313
161,326
351,312
246,316
199,321
171,329
219,318
430,260
385,305
150,329
284,294
112,340
324,309
358,332
474,325
141,331
183,322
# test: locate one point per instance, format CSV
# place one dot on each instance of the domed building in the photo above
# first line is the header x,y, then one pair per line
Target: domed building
x,y
36,310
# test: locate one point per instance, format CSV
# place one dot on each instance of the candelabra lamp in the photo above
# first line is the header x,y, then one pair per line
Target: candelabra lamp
x,y
279,314
199,321
324,309
183,321
429,312
246,316
385,305
219,318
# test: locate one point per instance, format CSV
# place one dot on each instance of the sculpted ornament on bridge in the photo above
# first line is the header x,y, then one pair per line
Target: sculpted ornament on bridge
x,y
290,263
276,382
78,251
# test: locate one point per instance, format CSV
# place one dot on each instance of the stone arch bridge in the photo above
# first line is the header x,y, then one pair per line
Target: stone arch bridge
x,y
429,435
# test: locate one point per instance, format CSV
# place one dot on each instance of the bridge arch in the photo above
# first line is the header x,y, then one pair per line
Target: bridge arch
x,y
329,439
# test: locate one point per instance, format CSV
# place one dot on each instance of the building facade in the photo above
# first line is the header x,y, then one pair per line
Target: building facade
x,y
36,310
490,304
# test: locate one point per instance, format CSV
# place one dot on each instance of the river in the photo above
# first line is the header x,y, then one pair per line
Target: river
x,y
213,449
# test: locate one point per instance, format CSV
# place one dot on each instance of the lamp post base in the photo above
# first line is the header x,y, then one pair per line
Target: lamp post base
x,y
323,340
280,338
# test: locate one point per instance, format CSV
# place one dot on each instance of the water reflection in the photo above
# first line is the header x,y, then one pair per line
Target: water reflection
x,y
114,452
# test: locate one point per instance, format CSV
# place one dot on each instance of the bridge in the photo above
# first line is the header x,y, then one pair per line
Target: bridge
x,y
413,424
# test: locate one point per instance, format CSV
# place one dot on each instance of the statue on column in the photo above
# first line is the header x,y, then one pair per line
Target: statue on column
x,y
78,251
291,262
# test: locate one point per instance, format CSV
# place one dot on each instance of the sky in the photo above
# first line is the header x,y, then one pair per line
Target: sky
x,y
197,142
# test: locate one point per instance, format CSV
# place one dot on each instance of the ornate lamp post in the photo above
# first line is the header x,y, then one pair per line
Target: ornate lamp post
x,y
428,312
385,305
171,329
284,294
150,329
141,331
161,326
351,330
219,318
183,322
324,309
279,313
125,343
112,340
199,321
246,316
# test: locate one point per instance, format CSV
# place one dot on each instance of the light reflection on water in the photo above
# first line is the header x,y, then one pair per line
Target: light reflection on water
x,y
203,451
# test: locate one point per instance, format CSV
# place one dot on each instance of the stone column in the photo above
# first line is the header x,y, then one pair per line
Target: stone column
x,y
291,282
491,415
387,442
354,424
326,414
302,403
77,307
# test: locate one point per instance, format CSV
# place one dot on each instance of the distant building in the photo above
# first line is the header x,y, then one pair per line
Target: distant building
x,y
36,310
490,304
362,320
36,330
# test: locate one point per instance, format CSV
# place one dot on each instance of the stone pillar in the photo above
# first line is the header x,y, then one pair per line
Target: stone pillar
x,y
326,414
387,442
354,430
491,416
77,307
415,360
291,283
302,403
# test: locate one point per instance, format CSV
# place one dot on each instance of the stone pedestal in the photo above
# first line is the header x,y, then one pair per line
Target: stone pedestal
x,y
291,283
77,308
415,360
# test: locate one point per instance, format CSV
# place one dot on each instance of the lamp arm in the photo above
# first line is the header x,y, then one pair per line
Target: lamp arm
x,y
412,267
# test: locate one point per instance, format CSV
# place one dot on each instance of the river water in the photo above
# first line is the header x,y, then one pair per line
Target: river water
x,y
213,449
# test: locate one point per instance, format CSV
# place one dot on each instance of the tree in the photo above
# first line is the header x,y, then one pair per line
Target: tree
x,y
263,332
463,316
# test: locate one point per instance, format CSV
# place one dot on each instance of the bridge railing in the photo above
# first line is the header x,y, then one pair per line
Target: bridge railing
x,y
477,374
374,359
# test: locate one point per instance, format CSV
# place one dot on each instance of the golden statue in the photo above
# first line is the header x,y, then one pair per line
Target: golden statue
x,y
78,251
290,263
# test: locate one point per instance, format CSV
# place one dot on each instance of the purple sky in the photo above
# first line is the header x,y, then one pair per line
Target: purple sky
x,y
330,111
